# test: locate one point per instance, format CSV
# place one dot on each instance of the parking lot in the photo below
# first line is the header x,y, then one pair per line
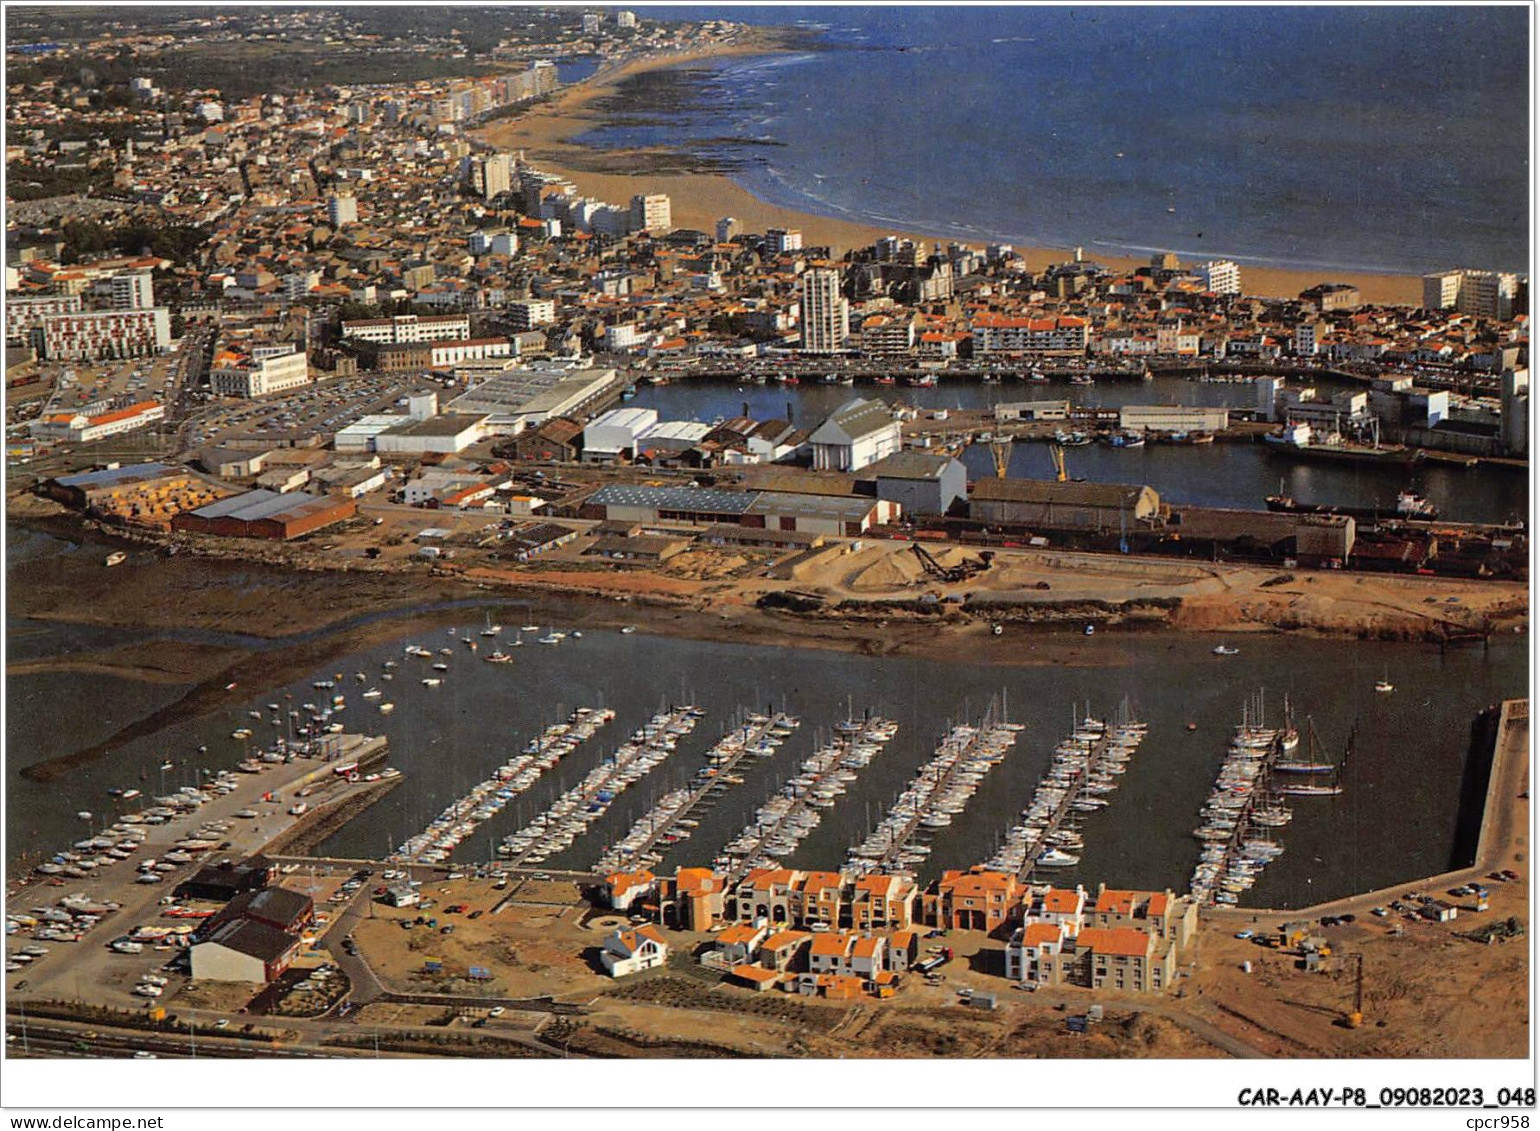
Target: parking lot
x,y
317,409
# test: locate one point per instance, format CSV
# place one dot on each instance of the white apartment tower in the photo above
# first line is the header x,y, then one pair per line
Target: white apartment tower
x,y
592,22
625,19
342,208
496,174
825,313
1220,277
651,213
779,240
1481,294
133,291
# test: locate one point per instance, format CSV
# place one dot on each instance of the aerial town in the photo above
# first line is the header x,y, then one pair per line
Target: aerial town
x,y
338,339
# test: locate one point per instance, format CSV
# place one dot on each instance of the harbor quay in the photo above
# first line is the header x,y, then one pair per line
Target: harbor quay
x,y
312,946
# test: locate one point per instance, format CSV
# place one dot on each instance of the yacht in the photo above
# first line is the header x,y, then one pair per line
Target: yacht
x,y
431,682
117,557
387,708
628,630
1225,650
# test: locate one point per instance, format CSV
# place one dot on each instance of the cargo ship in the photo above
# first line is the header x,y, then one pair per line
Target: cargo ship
x,y
1408,505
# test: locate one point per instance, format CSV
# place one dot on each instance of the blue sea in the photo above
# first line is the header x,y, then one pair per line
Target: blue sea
x,y
1372,138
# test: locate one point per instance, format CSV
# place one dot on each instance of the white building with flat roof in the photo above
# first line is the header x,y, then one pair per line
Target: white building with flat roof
x,y
825,314
238,374
616,433
1220,276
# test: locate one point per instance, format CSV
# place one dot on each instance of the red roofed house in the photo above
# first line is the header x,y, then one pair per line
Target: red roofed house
x,y
629,951
830,953
882,902
764,893
817,898
783,950
622,889
692,900
1160,913
739,943
975,900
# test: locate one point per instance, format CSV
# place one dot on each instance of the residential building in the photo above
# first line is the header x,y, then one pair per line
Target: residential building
x,y
651,212
1220,276
408,328
629,951
726,229
23,314
1482,294
974,900
496,174
240,372
998,333
622,889
95,335
526,314
341,208
778,241
825,313
881,902
132,290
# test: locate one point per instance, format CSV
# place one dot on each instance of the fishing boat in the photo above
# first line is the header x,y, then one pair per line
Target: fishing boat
x,y
498,658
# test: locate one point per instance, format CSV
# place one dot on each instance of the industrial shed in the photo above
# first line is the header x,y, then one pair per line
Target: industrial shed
x,y
919,482
1062,506
675,504
266,514
76,490
243,950
819,514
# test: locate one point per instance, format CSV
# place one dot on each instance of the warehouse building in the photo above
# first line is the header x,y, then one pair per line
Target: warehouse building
x,y
1062,506
858,433
918,482
672,504
243,950
527,398
266,514
1009,411
1172,418
77,490
829,515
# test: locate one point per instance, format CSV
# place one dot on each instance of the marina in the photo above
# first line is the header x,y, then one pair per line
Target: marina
x,y
668,823
1246,805
579,807
786,819
937,793
1085,768
435,843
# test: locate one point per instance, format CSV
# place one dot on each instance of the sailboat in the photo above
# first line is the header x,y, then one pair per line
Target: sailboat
x,y
1383,684
491,629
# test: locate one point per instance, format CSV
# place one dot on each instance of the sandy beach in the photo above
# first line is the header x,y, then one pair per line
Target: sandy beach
x,y
699,198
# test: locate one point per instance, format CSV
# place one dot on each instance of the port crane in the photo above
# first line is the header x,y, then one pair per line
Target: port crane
x,y
1356,1017
1056,453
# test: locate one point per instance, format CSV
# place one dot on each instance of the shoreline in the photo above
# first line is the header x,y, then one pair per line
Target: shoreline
x,y
370,609
546,133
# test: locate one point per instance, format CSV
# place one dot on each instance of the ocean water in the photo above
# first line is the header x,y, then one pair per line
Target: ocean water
x,y
1389,139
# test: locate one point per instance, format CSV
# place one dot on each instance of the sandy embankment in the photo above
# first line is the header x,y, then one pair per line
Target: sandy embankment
x,y
699,199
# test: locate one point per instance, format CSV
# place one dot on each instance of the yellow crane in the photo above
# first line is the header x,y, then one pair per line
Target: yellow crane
x,y
1056,453
1001,451
1356,1018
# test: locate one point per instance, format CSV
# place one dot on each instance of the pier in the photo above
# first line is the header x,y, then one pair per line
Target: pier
x,y
737,744
940,789
1064,790
515,776
799,816
571,813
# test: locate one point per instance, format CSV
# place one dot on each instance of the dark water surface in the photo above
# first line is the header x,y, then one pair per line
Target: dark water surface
x,y
1398,818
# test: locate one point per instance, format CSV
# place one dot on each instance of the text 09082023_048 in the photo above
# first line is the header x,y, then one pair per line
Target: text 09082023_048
x,y
1523,1096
